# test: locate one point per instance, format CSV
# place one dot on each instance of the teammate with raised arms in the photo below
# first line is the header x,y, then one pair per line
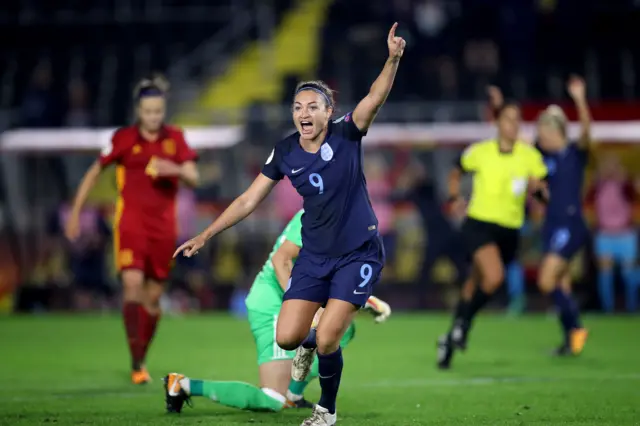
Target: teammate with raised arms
x,y
564,230
342,254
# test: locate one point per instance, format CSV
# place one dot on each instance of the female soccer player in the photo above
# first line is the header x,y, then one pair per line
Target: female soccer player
x,y
503,170
277,389
151,158
342,255
564,231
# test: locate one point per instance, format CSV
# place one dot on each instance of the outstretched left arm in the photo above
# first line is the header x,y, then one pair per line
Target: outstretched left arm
x,y
368,108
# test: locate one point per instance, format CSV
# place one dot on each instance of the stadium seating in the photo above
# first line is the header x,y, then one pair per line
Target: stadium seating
x,y
455,48
106,43
250,78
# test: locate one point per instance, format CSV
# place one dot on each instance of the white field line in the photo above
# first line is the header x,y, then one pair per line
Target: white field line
x,y
95,393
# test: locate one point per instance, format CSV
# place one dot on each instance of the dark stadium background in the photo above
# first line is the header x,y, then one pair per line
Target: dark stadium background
x,y
72,64
67,71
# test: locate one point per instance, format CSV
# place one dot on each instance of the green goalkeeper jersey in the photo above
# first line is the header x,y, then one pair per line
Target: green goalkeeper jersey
x,y
266,294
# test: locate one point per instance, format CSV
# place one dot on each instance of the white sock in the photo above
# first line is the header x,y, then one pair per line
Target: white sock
x,y
186,385
275,395
293,397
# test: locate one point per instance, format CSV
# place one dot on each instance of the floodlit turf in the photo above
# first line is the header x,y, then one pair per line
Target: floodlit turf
x,y
73,371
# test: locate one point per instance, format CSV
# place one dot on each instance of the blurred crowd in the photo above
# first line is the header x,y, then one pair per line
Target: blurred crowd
x,y
456,47
425,258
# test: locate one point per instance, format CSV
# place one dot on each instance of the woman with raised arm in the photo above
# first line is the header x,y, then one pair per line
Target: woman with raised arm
x,y
342,254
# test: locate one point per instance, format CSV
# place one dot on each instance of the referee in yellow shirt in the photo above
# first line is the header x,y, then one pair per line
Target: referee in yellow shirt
x,y
504,170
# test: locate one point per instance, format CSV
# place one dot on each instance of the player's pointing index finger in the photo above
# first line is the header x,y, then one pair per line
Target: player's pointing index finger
x,y
392,31
179,249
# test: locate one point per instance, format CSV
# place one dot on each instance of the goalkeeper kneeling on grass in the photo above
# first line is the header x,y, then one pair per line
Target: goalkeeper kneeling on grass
x,y
277,389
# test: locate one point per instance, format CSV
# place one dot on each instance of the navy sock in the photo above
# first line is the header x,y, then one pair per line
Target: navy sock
x,y
330,372
567,310
310,341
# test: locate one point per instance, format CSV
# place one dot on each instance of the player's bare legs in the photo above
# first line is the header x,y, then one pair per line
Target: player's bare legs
x,y
134,312
554,280
294,322
276,375
335,319
469,287
486,277
489,264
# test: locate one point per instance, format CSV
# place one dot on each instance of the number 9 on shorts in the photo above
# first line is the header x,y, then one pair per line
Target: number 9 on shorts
x,y
354,282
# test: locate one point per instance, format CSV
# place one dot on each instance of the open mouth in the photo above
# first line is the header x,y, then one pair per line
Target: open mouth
x,y
306,126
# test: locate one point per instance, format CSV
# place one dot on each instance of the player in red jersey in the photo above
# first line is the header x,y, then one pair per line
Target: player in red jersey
x,y
152,158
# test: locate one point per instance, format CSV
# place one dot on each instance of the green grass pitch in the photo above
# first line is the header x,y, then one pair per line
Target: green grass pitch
x,y
73,370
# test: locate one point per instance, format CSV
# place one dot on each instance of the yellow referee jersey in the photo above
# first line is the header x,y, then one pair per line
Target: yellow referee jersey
x,y
500,180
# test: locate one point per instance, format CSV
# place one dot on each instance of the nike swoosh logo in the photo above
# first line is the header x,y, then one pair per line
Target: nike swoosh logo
x,y
294,171
359,292
326,377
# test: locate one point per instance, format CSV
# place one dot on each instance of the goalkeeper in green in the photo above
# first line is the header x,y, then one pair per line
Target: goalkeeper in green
x,y
277,389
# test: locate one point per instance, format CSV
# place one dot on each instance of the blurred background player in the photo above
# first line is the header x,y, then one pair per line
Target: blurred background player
x,y
343,255
152,159
564,231
616,242
277,389
503,169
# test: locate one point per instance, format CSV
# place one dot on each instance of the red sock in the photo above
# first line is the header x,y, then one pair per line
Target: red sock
x,y
147,330
131,311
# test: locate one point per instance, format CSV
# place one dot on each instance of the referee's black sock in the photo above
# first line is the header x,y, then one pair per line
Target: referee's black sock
x,y
461,309
477,302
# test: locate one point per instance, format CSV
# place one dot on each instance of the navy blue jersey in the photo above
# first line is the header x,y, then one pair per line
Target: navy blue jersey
x,y
565,178
338,217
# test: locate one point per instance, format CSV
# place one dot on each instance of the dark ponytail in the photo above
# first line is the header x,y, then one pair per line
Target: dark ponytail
x,y
498,110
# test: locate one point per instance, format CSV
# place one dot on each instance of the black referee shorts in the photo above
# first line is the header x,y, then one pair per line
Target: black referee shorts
x,y
477,234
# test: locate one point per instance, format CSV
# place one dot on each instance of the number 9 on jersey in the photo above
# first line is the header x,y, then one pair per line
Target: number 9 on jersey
x,y
316,181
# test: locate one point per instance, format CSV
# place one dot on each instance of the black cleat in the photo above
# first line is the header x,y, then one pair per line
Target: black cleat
x,y
459,334
301,403
446,348
562,350
175,397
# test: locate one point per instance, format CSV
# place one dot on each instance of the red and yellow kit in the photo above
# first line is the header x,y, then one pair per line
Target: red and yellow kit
x,y
145,226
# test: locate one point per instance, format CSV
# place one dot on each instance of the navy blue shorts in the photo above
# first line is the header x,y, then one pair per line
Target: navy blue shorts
x,y
564,239
350,277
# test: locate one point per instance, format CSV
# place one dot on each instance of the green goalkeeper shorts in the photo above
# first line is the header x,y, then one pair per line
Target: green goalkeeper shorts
x,y
263,328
